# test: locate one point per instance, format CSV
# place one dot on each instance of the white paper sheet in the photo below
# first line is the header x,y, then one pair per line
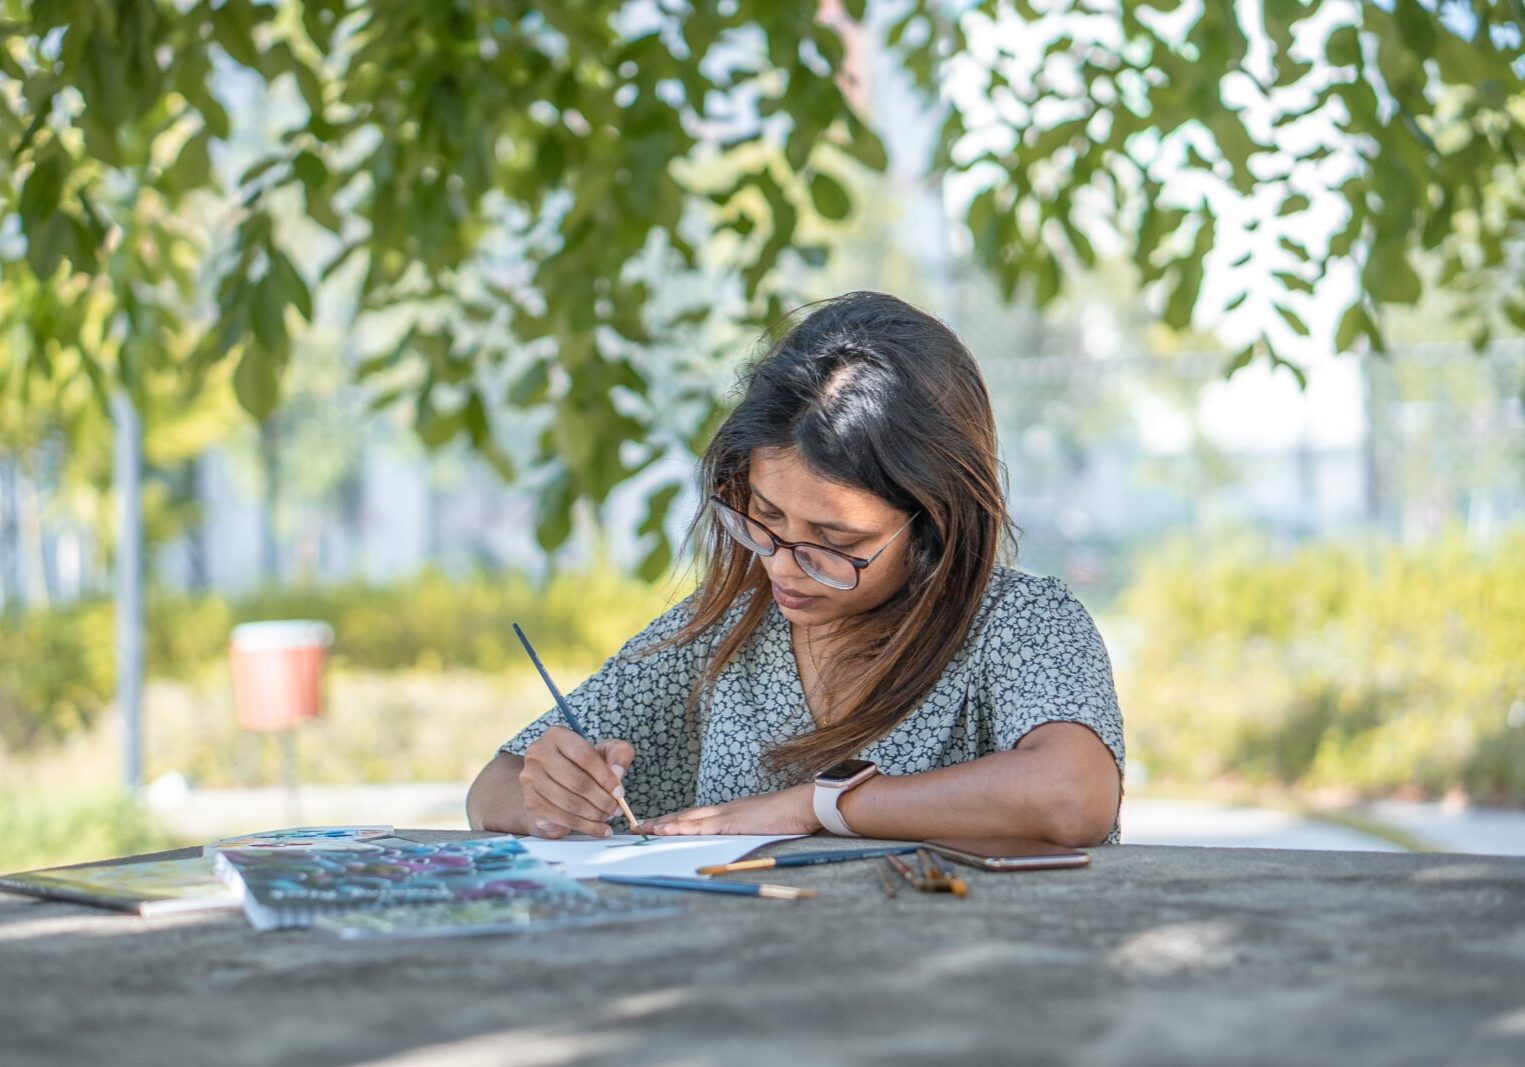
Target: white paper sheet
x,y
589,857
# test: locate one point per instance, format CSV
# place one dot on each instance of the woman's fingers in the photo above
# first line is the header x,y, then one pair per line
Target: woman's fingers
x,y
619,755
569,785
706,820
584,757
574,803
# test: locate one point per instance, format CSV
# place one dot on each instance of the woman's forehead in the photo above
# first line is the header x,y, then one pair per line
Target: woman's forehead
x,y
789,484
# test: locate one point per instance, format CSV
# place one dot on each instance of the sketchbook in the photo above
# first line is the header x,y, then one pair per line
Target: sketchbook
x,y
590,857
160,887
293,887
553,902
304,837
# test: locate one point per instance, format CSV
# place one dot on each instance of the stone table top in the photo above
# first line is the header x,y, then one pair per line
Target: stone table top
x,y
1149,955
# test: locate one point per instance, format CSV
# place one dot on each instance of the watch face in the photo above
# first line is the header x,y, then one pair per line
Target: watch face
x,y
845,770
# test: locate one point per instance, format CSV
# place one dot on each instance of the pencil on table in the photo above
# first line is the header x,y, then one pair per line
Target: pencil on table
x,y
899,866
887,877
956,885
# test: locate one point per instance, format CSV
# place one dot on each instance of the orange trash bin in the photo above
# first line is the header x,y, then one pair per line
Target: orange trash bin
x,y
278,672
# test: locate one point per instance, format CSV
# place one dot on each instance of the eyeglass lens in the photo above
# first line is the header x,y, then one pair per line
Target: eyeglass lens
x,y
824,566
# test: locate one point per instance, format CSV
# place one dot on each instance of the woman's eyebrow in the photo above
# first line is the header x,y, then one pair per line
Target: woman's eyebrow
x,y
837,526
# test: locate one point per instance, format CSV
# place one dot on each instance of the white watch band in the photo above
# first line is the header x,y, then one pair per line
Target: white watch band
x,y
827,797
825,803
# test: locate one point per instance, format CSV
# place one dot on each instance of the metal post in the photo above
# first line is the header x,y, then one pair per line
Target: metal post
x,y
129,583
288,743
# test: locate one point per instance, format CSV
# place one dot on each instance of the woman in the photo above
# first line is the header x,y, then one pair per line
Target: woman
x,y
851,607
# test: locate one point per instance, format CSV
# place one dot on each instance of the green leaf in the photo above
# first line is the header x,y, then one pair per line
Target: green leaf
x,y
434,428
1292,319
554,523
1514,311
46,243
257,382
1183,295
829,197
260,167
43,189
657,506
1240,361
289,281
1343,47
192,169
1293,204
654,564
1353,324
1389,277
1296,248
268,315
864,145
1293,282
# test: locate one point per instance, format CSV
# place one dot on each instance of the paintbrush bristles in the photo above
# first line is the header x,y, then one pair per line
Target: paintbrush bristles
x,y
630,817
785,892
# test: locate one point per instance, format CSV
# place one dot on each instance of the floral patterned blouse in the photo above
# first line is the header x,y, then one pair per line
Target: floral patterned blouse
x,y
1032,656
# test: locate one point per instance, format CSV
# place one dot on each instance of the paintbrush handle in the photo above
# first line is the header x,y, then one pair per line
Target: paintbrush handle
x,y
705,885
561,702
568,714
809,859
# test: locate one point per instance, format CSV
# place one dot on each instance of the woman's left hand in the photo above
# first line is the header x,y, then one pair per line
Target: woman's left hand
x,y
788,811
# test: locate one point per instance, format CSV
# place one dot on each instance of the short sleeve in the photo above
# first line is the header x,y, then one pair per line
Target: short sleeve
x,y
641,695
1043,661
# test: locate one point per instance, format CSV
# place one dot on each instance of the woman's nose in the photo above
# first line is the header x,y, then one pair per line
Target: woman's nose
x,y
783,565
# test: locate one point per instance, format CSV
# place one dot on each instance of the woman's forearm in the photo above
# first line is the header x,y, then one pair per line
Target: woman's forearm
x,y
1060,784
495,800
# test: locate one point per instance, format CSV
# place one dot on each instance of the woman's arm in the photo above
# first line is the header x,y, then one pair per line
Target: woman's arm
x,y
1060,784
495,801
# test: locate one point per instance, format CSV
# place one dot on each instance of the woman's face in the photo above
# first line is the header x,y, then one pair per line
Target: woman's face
x,y
799,505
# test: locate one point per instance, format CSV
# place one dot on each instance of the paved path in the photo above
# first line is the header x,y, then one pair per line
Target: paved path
x,y
1172,822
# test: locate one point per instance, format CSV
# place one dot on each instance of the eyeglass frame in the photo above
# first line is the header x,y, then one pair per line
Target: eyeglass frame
x,y
859,563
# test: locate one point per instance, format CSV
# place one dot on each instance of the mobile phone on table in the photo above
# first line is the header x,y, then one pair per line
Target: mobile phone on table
x,y
1008,853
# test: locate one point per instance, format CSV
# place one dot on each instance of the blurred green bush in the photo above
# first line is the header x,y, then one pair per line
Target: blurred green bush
x,y
57,668
56,672
1361,666
74,827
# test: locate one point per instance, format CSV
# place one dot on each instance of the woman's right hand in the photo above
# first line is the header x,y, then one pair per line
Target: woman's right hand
x,y
570,786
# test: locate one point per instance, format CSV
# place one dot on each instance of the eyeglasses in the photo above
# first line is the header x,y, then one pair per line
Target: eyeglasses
x,y
831,568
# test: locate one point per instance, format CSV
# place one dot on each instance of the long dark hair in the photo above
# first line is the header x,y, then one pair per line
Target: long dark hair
x,y
875,394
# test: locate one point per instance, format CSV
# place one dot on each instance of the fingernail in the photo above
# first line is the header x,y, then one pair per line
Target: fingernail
x,y
607,832
619,772
619,791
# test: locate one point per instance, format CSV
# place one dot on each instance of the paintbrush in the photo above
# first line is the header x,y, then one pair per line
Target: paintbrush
x,y
571,718
708,885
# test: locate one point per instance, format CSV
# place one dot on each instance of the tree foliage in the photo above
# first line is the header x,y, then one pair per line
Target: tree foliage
x,y
1367,151
501,183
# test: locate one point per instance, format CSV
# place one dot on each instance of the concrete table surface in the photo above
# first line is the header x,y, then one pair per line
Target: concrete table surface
x,y
1150,955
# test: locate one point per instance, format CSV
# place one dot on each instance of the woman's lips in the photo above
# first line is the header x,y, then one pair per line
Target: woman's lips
x,y
791,600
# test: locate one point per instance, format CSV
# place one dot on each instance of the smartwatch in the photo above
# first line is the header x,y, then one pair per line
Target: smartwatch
x,y
831,784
